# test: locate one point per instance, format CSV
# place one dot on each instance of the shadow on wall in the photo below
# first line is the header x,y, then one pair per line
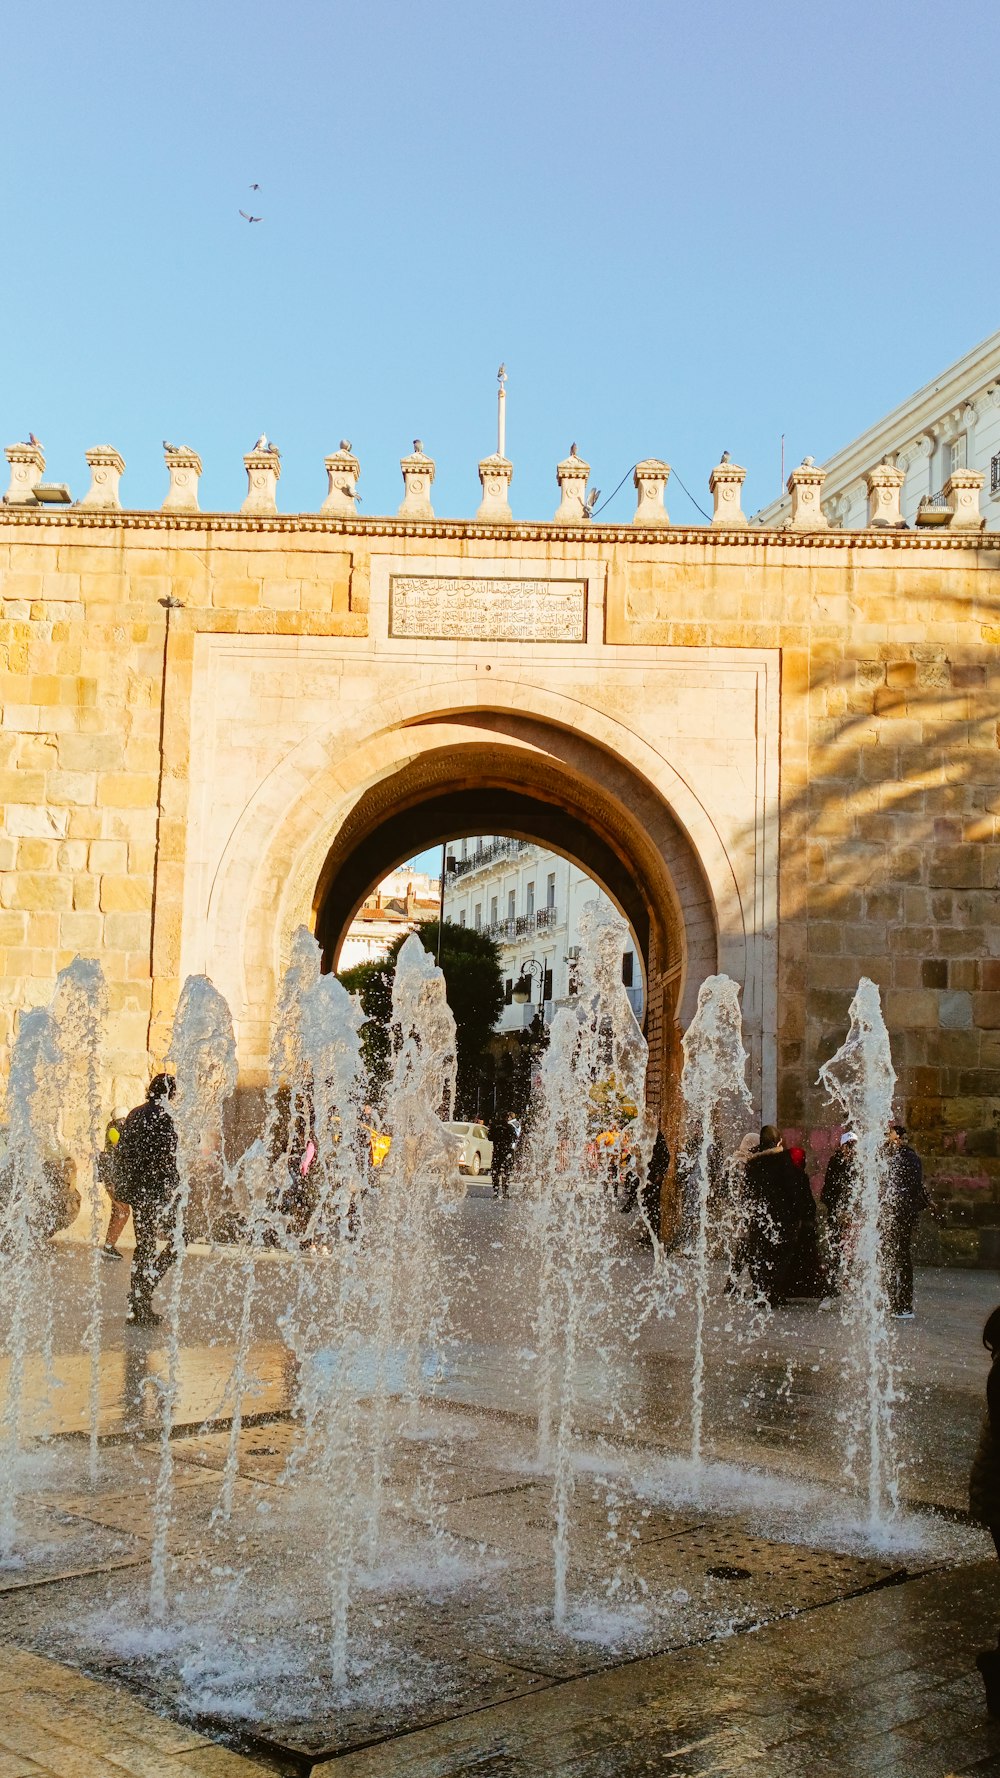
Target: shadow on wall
x,y
890,868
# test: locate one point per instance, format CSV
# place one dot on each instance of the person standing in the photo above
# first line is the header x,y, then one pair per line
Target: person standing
x,y
775,1195
904,1197
650,1194
984,1492
148,1181
107,1173
837,1195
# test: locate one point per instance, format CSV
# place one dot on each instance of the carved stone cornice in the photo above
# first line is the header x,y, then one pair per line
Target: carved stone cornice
x,y
755,537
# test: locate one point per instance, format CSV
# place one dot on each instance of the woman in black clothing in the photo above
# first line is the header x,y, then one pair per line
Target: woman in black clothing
x,y
776,1198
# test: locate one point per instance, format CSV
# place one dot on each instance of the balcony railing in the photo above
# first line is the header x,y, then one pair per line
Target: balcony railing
x,y
502,848
507,932
995,474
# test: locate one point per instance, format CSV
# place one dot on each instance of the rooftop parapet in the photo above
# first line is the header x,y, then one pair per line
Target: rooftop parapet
x,y
724,485
495,475
885,486
263,467
342,472
805,485
107,466
962,491
571,475
651,477
418,474
184,469
27,466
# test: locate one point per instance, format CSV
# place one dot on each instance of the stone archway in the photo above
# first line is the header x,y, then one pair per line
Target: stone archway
x,y
359,811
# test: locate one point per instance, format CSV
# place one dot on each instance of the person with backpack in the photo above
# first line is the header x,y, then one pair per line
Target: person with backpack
x,y
147,1180
107,1172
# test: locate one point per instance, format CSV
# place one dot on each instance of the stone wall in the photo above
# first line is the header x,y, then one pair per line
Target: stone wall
x,y
889,857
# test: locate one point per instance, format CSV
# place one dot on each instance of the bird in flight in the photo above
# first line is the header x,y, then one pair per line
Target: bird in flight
x,y
248,218
255,188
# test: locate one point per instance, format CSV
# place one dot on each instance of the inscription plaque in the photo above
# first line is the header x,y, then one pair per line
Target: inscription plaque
x,y
443,607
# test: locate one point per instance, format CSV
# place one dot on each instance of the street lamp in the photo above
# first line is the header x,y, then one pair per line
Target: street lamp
x,y
521,991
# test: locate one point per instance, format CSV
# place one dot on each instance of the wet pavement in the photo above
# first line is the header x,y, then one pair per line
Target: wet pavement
x,y
739,1620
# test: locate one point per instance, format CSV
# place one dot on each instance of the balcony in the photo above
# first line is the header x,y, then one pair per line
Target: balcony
x,y
502,848
995,475
510,931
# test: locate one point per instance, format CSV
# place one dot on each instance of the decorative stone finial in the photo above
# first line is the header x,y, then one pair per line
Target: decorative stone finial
x,y
107,467
418,473
651,477
962,491
184,468
495,473
342,471
724,485
263,467
27,466
805,485
572,474
885,485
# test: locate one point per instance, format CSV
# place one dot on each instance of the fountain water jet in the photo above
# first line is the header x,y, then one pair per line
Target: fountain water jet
x,y
594,1065
716,1100
861,1079
203,1057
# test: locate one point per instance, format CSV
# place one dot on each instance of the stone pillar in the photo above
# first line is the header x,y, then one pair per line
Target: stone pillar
x,y
495,474
805,485
724,485
106,471
962,491
184,468
651,477
572,474
342,471
263,469
418,473
27,466
885,486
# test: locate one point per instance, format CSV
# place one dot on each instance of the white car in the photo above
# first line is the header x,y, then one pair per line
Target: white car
x,y
476,1153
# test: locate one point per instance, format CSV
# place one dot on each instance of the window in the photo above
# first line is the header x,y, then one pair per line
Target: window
x,y
958,452
511,903
477,918
465,848
628,967
995,474
550,890
461,917
493,910
529,899
547,983
508,991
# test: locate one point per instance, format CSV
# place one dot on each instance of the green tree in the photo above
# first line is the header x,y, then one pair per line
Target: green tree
x,y
470,963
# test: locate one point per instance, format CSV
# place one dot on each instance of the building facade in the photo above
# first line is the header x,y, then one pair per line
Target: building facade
x,y
776,747
401,902
950,426
529,900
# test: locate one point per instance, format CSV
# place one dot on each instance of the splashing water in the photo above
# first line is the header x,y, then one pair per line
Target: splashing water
x,y
861,1079
203,1057
79,1013
592,1082
716,1104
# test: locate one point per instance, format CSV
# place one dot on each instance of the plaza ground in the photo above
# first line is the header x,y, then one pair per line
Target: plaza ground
x,y
830,1658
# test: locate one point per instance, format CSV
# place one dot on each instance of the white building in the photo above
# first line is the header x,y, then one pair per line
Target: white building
x,y
952,424
530,901
401,902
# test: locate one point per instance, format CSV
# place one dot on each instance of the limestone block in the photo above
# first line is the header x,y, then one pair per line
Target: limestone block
x,y
263,469
650,478
418,474
724,485
35,821
962,491
127,790
342,471
805,485
183,468
124,895
885,486
495,475
27,466
106,470
571,476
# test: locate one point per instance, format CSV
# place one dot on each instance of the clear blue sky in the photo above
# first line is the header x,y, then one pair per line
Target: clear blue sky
x,y
685,228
